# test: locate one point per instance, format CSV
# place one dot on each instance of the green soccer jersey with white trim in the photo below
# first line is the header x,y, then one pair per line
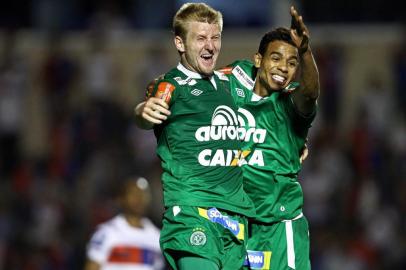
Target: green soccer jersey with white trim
x,y
198,144
275,133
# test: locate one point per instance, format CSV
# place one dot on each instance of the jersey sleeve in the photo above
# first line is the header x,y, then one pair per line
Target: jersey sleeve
x,y
245,65
226,70
98,246
161,88
241,76
299,120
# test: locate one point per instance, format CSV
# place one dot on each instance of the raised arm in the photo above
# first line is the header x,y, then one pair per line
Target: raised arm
x,y
306,96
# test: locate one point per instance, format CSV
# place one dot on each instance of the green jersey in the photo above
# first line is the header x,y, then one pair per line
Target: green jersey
x,y
198,144
275,133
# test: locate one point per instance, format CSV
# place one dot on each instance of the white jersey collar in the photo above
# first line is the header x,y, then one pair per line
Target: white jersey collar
x,y
256,97
194,75
188,72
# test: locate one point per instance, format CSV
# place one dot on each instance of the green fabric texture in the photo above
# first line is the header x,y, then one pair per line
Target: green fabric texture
x,y
274,136
186,233
198,144
273,240
196,263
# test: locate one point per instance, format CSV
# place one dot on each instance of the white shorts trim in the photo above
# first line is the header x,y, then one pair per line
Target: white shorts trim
x,y
295,218
290,244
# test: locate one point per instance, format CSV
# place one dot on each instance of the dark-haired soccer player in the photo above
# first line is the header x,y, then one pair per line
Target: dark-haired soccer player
x,y
277,97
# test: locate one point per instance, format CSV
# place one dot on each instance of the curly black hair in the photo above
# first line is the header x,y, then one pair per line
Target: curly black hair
x,y
280,33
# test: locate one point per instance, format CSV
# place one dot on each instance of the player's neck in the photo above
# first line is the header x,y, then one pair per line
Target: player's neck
x,y
134,221
260,90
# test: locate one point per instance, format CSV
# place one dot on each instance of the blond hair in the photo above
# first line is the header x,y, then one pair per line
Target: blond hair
x,y
195,12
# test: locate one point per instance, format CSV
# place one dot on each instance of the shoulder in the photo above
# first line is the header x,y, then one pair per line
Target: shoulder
x,y
164,87
241,72
109,225
243,63
175,79
245,68
103,233
149,225
178,78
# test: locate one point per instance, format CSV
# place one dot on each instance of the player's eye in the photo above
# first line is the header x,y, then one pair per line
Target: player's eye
x,y
292,64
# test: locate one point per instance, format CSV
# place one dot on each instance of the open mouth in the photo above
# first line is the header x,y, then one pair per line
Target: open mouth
x,y
278,79
207,58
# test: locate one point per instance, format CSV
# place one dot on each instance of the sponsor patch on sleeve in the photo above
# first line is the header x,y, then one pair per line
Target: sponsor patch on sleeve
x,y
243,77
164,91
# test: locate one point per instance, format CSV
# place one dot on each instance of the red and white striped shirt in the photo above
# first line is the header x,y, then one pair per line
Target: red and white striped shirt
x,y
118,246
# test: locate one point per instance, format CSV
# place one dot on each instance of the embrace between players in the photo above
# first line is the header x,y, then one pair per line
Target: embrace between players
x,y
231,143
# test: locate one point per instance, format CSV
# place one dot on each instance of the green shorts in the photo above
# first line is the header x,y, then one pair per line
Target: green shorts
x,y
204,232
281,245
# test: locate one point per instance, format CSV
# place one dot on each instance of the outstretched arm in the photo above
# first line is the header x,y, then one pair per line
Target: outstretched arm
x,y
305,97
151,112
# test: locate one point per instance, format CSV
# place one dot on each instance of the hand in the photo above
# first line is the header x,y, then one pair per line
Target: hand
x,y
299,31
154,110
304,153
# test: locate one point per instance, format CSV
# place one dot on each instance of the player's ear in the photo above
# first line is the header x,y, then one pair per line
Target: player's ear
x,y
180,46
257,60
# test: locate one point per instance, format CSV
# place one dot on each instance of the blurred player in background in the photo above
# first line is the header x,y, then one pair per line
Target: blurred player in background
x,y
277,97
195,121
128,240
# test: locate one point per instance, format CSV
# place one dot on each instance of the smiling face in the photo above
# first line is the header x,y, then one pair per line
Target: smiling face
x,y
276,68
200,48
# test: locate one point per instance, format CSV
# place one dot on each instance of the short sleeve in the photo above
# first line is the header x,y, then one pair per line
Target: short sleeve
x,y
162,89
301,122
98,246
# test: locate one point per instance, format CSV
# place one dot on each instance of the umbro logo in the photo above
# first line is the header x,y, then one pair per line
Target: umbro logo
x,y
240,92
196,92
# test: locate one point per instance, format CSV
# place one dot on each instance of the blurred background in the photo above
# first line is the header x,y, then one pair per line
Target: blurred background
x,y
71,72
